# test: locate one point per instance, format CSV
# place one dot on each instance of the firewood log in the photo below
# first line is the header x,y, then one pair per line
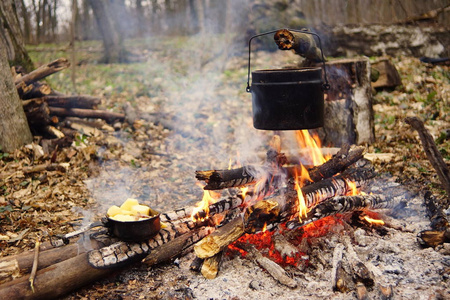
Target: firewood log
x,y
124,253
43,71
173,248
274,269
33,90
219,239
220,179
432,152
211,265
87,113
37,112
78,101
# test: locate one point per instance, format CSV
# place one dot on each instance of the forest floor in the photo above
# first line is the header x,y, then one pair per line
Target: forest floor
x,y
193,114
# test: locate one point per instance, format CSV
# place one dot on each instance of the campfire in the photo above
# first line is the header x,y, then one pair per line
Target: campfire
x,y
274,213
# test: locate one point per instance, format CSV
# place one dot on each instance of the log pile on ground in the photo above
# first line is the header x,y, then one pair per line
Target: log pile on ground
x,y
44,107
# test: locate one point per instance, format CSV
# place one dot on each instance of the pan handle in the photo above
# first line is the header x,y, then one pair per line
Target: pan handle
x,y
326,85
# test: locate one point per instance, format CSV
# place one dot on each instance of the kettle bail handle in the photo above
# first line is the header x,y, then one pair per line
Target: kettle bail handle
x,y
325,86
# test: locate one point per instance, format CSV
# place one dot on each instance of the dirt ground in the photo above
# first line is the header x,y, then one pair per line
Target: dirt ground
x,y
192,114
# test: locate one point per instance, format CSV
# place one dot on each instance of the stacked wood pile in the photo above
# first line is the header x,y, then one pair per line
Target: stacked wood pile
x,y
44,106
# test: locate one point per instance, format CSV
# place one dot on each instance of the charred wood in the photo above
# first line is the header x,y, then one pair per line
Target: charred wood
x,y
123,253
386,292
302,43
221,179
260,214
86,113
175,247
435,213
344,158
43,71
433,238
342,204
432,152
196,264
274,269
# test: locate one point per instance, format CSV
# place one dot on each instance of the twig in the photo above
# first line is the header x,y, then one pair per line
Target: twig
x,y
35,264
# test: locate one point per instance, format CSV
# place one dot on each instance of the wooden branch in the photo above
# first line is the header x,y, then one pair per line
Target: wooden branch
x,y
211,265
432,152
274,269
33,90
54,281
302,43
435,212
219,239
78,101
86,113
336,264
44,71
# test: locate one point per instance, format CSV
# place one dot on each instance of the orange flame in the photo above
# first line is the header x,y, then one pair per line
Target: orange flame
x,y
313,144
302,208
201,211
372,221
353,189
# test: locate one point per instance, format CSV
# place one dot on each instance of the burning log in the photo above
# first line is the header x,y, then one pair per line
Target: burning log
x,y
432,152
274,269
344,158
86,113
121,253
302,43
43,71
211,265
173,248
342,204
220,179
219,239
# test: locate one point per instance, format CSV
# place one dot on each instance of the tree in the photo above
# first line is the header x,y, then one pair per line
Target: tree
x,y
11,35
14,129
114,51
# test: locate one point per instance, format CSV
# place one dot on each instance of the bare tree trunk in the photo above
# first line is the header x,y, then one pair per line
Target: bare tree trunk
x,y
26,22
14,129
114,51
11,25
